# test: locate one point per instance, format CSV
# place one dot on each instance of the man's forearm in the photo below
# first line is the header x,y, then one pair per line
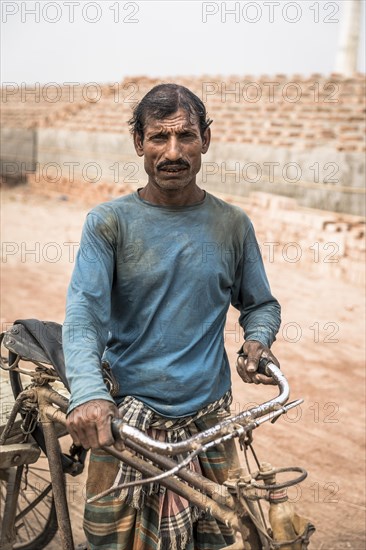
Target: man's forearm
x,y
88,311
83,346
262,323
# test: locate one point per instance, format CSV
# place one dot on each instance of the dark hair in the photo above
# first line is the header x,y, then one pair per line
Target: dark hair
x,y
164,100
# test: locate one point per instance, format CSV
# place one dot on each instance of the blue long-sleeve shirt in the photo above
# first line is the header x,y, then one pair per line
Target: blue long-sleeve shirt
x,y
150,291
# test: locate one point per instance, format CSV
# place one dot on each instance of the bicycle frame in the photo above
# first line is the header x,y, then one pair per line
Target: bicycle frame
x,y
222,501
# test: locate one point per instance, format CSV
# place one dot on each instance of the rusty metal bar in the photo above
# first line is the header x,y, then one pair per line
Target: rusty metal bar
x,y
58,484
58,399
55,465
202,501
217,492
54,415
12,494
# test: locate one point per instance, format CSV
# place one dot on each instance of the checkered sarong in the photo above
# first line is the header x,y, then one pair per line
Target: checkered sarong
x,y
151,517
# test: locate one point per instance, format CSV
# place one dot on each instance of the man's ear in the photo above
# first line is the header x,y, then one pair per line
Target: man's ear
x,y
137,141
206,140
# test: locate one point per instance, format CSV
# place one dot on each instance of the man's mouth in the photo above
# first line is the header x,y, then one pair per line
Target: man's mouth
x,y
173,169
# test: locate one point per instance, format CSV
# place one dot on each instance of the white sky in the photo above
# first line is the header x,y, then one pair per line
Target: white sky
x,y
167,39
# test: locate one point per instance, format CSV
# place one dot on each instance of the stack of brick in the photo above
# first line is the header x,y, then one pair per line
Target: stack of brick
x,y
280,111
328,243
114,106
35,106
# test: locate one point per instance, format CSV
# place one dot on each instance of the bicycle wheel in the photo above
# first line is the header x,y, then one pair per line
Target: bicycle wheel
x,y
35,521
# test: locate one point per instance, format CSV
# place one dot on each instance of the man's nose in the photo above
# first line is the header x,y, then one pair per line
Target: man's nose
x,y
173,150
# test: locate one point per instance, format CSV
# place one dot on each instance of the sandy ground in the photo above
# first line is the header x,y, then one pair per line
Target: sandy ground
x,y
321,349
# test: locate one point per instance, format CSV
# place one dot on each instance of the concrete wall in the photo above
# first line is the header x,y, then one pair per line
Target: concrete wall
x,y
18,151
91,156
320,178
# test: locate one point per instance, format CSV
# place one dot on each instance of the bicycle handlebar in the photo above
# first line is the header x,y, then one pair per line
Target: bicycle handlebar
x,y
228,427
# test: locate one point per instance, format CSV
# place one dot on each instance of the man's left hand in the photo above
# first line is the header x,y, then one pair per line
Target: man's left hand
x,y
247,366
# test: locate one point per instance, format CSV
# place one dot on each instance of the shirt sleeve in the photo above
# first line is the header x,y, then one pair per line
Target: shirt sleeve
x,y
260,312
88,310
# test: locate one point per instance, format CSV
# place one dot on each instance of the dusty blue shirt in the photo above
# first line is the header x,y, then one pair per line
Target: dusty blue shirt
x,y
150,292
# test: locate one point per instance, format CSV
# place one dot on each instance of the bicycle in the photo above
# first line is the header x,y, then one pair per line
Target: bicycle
x,y
238,502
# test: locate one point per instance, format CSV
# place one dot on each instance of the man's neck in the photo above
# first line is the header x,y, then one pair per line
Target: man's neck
x,y
172,197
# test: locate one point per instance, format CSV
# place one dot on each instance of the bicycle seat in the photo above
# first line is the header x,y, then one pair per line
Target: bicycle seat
x,y
40,341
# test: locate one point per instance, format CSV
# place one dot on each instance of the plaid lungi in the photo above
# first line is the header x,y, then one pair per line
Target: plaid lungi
x,y
151,517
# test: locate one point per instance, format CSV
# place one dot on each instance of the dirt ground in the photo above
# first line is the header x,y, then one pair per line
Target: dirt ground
x,y
321,349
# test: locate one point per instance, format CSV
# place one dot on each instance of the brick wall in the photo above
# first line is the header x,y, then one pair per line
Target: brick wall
x,y
279,110
288,135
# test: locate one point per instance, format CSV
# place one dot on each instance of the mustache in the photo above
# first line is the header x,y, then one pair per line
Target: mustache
x,y
178,163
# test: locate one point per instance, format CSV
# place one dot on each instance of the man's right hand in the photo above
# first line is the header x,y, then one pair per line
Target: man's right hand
x,y
90,424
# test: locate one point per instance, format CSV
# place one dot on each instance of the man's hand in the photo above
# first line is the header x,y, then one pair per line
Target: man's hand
x,y
247,367
90,423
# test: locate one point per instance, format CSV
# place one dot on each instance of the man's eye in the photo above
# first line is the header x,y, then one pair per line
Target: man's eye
x,y
158,138
187,135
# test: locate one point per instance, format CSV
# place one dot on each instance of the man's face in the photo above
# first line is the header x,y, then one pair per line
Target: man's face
x,y
172,149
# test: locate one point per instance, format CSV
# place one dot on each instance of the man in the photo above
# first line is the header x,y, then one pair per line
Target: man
x,y
154,277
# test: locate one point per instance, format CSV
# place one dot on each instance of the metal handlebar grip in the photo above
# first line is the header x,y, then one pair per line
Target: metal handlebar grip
x,y
262,365
225,428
